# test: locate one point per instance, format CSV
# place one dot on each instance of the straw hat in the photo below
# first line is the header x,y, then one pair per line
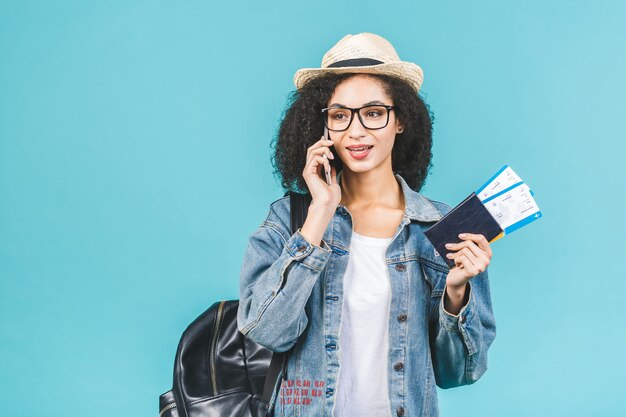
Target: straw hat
x,y
364,53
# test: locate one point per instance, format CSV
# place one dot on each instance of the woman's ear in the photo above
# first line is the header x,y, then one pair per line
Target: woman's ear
x,y
399,126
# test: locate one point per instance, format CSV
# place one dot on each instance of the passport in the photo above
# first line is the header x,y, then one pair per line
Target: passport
x,y
470,216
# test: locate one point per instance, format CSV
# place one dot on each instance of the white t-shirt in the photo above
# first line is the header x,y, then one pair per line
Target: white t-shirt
x,y
364,335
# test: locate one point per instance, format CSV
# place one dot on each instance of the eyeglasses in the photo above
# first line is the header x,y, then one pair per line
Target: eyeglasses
x,y
339,118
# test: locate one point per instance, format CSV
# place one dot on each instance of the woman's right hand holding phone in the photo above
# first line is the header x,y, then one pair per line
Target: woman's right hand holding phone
x,y
325,197
318,157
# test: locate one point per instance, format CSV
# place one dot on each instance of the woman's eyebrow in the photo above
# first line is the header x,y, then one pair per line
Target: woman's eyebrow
x,y
369,103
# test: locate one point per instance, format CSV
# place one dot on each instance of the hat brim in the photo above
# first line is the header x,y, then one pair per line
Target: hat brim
x,y
407,71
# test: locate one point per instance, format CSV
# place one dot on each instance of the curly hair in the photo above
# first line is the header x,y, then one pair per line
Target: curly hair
x,y
302,125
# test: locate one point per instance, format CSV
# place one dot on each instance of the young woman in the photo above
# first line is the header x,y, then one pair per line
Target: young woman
x,y
373,317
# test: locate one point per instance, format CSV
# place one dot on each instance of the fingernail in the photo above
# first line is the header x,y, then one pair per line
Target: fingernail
x,y
448,255
332,156
449,245
462,235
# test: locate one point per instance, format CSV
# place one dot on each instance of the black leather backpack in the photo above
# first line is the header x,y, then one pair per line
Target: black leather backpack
x,y
218,372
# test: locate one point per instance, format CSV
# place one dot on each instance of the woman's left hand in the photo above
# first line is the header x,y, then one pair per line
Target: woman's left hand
x,y
471,257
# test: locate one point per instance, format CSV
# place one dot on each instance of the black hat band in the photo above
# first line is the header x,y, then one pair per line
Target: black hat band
x,y
355,62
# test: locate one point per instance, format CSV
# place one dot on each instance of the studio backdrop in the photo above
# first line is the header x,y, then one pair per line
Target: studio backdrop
x,y
135,163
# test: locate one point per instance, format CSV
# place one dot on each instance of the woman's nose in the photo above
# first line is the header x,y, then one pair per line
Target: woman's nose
x,y
356,128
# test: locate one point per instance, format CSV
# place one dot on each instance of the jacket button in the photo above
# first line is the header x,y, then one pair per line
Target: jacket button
x,y
402,317
462,319
400,267
329,392
301,248
398,366
400,411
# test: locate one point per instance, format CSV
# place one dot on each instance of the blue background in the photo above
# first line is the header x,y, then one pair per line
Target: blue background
x,y
134,164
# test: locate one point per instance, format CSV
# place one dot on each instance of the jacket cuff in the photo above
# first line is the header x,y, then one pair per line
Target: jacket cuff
x,y
455,322
302,250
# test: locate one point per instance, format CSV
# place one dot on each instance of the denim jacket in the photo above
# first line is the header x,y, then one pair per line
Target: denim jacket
x,y
291,296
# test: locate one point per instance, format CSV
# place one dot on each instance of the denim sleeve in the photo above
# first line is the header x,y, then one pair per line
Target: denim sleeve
x,y
461,341
277,277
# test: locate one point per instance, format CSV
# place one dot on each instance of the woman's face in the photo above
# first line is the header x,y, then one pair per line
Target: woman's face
x,y
358,91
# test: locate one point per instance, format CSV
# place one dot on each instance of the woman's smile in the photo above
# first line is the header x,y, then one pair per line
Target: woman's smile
x,y
359,152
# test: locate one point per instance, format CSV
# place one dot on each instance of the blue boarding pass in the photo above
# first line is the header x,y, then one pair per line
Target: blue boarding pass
x,y
509,200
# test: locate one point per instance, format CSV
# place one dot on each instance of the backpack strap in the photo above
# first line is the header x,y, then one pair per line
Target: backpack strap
x,y
299,207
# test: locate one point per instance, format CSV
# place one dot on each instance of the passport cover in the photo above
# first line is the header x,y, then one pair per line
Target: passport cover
x,y
470,216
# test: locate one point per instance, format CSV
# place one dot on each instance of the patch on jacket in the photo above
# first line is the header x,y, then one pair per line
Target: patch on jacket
x,y
300,391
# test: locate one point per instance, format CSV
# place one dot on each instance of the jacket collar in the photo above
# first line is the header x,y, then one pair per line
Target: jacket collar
x,y
417,207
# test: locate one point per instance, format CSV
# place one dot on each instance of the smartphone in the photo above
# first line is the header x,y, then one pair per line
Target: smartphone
x,y
326,136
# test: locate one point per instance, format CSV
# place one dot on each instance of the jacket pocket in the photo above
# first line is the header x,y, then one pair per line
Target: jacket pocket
x,y
435,275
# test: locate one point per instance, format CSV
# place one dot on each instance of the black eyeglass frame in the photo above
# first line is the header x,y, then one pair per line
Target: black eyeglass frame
x,y
357,111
